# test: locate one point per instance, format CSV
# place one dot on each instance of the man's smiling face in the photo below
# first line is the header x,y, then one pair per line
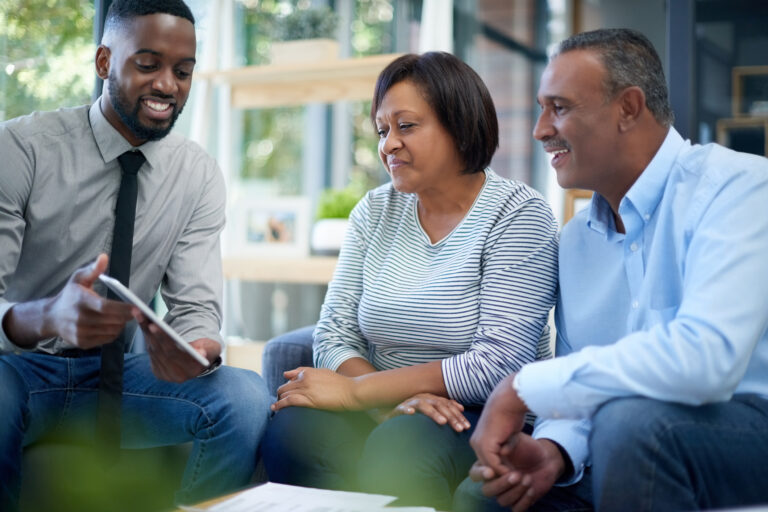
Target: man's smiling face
x,y
578,124
149,75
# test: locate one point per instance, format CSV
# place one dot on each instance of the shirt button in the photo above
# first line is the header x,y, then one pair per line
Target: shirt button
x,y
647,216
633,247
635,305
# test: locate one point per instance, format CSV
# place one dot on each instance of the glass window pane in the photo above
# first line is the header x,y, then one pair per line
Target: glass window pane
x,y
46,61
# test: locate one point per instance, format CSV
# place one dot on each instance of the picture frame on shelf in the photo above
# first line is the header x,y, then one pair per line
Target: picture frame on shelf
x,y
576,199
750,91
746,134
269,227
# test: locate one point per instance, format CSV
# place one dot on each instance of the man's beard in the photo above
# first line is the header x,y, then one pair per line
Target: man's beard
x,y
130,117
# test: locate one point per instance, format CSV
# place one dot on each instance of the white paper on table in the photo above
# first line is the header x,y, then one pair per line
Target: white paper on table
x,y
273,497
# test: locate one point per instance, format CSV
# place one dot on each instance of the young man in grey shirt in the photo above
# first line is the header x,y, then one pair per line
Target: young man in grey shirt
x,y
59,184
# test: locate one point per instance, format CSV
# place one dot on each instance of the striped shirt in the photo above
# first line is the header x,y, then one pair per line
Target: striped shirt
x,y
478,299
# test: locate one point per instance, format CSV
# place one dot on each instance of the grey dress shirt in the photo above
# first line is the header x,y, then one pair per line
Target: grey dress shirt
x,y
59,179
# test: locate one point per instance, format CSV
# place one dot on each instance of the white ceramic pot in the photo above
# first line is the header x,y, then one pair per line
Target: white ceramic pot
x,y
328,235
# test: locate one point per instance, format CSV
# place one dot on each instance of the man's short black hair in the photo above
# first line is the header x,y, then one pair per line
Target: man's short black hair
x,y
458,97
122,11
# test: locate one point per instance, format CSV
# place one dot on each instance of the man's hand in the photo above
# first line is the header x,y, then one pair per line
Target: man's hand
x,y
169,361
442,410
317,388
83,318
535,465
502,417
77,314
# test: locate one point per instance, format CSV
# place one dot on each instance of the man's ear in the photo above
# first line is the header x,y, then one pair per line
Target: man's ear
x,y
631,104
103,55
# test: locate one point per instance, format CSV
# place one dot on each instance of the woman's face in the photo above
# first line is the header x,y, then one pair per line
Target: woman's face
x,y
417,151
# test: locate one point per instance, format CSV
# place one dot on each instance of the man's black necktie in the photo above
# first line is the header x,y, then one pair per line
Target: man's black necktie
x,y
112,355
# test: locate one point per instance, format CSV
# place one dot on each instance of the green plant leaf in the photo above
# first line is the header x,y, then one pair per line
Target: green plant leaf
x,y
337,203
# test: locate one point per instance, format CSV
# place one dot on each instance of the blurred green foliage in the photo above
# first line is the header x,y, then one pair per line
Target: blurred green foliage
x,y
338,203
306,24
76,478
46,55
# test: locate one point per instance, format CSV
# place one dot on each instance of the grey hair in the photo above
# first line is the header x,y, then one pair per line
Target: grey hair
x,y
629,59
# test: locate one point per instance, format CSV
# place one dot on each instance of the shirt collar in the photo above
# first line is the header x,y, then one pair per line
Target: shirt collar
x,y
645,194
111,144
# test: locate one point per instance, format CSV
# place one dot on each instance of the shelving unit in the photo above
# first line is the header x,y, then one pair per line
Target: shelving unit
x,y
747,130
747,134
299,83
309,270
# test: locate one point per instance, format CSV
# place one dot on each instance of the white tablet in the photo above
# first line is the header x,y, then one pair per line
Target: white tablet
x,y
128,296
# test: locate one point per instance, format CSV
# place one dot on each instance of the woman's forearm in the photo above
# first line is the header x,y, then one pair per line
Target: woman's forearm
x,y
389,387
355,367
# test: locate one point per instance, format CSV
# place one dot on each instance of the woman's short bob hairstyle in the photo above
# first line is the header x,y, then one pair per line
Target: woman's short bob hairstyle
x,y
456,94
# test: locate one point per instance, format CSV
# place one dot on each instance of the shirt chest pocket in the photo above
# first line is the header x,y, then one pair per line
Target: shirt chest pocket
x,y
665,299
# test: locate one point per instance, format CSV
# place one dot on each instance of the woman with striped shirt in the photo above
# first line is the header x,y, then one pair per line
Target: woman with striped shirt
x,y
443,287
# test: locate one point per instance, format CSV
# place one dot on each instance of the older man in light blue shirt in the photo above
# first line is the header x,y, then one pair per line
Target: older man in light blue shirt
x,y
662,313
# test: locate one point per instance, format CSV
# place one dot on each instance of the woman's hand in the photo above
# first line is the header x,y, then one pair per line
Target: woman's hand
x,y
441,410
316,388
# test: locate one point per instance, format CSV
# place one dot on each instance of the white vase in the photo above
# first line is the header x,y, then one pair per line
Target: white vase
x,y
328,235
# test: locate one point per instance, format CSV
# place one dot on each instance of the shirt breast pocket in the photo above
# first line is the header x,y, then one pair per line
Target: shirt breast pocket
x,y
665,301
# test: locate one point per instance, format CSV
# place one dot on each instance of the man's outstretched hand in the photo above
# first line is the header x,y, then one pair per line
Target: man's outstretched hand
x,y
77,313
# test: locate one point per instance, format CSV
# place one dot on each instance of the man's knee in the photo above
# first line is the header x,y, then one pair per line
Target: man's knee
x,y
632,444
625,424
241,399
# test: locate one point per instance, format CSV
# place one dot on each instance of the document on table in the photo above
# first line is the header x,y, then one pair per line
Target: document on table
x,y
272,497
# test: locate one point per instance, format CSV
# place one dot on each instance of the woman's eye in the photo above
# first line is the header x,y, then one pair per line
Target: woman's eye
x,y
405,126
381,133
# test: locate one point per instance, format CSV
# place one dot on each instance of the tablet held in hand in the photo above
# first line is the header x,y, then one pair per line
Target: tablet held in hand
x,y
130,297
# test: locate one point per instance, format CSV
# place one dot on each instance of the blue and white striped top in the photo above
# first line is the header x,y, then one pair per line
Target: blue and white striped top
x,y
478,299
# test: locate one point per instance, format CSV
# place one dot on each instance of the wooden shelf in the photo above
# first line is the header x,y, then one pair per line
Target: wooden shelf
x,y
749,86
309,270
300,83
747,134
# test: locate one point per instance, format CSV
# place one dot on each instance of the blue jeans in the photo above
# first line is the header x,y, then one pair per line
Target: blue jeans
x,y
224,414
286,352
649,455
410,457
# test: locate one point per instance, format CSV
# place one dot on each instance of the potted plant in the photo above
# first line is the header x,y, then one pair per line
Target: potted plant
x,y
333,209
305,35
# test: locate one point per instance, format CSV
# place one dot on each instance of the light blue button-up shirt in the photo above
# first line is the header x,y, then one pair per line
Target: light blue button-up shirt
x,y
676,309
